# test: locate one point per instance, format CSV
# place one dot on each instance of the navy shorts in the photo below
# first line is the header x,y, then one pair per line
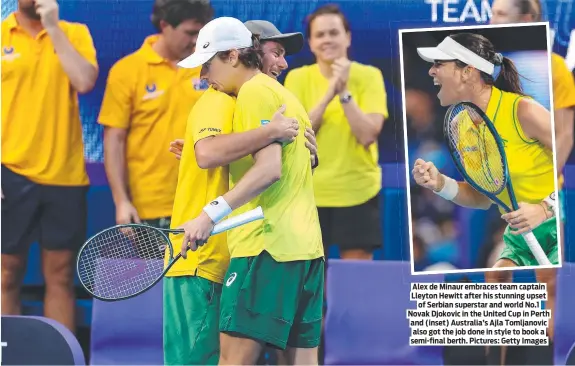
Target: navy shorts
x,y
356,227
54,216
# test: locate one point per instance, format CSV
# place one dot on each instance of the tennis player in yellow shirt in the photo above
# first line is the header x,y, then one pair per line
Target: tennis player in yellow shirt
x,y
193,285
463,68
273,290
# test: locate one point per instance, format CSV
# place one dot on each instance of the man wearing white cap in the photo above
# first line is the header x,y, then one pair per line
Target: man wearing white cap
x,y
275,46
278,260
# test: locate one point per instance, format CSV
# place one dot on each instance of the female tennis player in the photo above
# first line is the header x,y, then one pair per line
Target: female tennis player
x,y
463,69
519,11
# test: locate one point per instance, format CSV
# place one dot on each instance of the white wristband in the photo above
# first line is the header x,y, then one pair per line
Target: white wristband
x,y
217,209
449,190
552,203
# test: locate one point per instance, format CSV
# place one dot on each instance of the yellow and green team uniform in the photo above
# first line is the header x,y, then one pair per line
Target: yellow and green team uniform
x,y
531,173
192,287
273,291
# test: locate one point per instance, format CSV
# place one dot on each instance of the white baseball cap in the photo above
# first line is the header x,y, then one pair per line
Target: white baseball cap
x,y
220,34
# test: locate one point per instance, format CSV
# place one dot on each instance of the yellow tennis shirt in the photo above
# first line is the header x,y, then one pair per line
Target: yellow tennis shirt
x,y
152,98
290,230
530,163
41,128
349,175
211,115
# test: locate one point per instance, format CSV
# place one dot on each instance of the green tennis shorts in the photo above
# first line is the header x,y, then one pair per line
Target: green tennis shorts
x,y
517,250
191,314
278,303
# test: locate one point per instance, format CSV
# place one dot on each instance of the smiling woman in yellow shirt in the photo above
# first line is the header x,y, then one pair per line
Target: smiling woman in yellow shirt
x,y
347,105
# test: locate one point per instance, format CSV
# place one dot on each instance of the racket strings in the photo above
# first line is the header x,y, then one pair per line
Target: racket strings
x,y
121,262
476,149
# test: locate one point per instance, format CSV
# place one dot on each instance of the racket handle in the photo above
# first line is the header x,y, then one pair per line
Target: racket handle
x,y
241,219
536,249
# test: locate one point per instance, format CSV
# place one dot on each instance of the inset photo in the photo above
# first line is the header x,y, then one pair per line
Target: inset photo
x,y
480,148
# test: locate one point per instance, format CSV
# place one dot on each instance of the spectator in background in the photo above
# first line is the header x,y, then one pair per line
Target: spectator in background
x,y
46,62
145,106
519,11
346,102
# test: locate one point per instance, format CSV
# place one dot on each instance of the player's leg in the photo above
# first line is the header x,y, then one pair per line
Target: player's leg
x,y
304,338
20,209
191,317
511,255
62,233
357,229
258,305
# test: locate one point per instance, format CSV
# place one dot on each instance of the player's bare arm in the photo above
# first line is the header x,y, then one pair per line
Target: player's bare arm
x,y
535,121
116,171
428,176
266,170
223,149
82,73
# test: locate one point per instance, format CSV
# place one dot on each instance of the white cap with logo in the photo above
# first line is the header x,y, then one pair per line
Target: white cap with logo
x,y
220,34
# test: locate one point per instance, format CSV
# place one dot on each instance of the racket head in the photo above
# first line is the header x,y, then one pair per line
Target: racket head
x,y
123,261
476,148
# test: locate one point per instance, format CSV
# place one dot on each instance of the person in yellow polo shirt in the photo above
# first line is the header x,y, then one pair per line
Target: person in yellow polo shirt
x,y
347,104
145,106
519,11
191,316
278,260
46,62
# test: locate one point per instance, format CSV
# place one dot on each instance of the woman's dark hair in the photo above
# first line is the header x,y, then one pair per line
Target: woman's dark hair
x,y
332,9
174,12
250,57
508,78
529,7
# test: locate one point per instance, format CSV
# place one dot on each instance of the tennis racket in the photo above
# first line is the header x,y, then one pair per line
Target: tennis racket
x,y
127,260
478,153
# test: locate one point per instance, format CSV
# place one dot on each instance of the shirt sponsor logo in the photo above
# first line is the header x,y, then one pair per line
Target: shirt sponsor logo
x,y
8,54
152,92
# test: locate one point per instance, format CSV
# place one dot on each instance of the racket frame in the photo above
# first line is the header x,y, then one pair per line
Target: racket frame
x,y
171,262
225,225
